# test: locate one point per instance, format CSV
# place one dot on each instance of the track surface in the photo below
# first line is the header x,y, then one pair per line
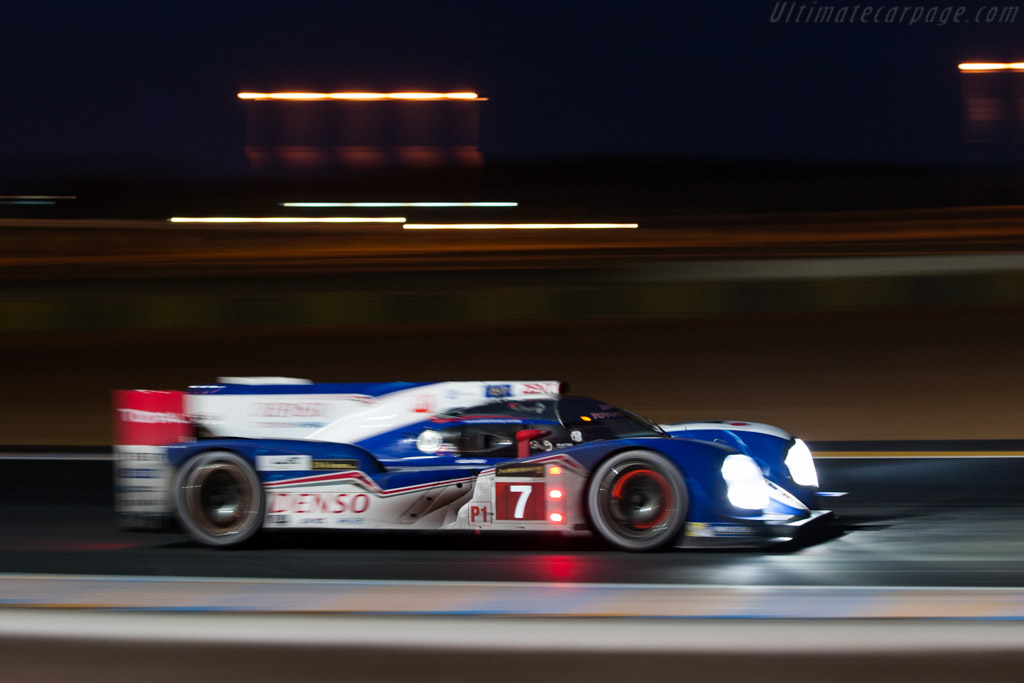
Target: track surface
x,y
912,522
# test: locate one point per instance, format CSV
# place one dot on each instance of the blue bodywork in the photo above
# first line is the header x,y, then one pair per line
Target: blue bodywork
x,y
768,450
468,442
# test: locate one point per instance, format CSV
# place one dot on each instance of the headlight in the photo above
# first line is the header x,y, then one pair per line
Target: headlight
x,y
801,464
745,484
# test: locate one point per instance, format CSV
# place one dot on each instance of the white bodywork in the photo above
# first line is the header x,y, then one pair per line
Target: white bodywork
x,y
339,417
727,425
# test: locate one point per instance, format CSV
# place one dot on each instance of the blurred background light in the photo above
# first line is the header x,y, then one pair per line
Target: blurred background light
x,y
34,199
392,205
370,96
287,219
518,226
991,66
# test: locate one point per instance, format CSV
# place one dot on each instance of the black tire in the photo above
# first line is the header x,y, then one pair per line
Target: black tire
x,y
637,501
219,499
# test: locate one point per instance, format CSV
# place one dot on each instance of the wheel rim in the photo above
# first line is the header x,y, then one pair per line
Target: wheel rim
x,y
638,500
219,499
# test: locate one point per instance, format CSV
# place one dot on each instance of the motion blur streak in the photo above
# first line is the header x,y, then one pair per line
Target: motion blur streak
x,y
288,219
32,199
306,96
517,226
389,205
37,196
991,66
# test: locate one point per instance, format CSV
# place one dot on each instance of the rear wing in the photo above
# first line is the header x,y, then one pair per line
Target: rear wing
x,y
144,422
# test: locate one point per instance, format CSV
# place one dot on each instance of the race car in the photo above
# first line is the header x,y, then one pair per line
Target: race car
x,y
510,456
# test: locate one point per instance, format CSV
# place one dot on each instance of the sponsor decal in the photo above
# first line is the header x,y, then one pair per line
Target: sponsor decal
x,y
283,463
150,417
136,505
540,388
289,425
346,464
304,409
141,480
576,436
424,403
318,504
135,457
531,471
139,473
705,530
498,390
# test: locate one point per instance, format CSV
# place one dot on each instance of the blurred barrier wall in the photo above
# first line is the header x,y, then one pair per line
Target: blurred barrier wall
x,y
661,291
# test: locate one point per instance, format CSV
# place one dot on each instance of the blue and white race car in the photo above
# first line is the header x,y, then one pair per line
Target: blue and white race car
x,y
507,456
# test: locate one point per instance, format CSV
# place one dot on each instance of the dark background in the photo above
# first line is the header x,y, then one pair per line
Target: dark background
x,y
116,87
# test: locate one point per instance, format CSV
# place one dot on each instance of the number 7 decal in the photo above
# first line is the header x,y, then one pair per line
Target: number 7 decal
x,y
524,491
524,501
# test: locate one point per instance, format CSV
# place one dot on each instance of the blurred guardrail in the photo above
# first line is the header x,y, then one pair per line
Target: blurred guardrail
x,y
84,646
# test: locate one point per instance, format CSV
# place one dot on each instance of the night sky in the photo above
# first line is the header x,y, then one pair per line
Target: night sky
x,y
95,86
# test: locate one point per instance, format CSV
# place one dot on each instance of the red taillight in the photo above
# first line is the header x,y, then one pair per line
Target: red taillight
x,y
555,493
556,517
555,470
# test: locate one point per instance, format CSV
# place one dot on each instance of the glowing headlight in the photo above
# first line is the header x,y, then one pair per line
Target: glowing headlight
x,y
745,484
801,464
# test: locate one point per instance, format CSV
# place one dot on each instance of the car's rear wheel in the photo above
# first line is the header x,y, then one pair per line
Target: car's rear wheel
x,y
637,501
219,498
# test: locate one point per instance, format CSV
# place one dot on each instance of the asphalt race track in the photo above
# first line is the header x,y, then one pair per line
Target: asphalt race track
x,y
913,522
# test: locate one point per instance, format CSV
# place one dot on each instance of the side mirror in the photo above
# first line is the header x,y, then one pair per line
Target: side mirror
x,y
523,439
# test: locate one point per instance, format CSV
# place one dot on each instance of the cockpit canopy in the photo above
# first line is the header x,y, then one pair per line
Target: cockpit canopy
x,y
489,430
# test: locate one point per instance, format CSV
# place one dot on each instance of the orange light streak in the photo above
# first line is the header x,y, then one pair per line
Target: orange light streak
x,y
519,226
359,96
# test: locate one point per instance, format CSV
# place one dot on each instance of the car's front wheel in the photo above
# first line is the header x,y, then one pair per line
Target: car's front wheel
x,y
219,498
637,501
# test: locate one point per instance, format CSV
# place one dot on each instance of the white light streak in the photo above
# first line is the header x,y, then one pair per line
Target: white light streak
x,y
990,66
286,219
396,205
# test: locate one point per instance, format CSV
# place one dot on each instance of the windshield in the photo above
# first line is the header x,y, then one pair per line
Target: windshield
x,y
596,420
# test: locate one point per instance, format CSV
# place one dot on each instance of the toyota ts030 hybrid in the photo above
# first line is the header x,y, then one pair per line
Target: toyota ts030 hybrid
x,y
246,454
